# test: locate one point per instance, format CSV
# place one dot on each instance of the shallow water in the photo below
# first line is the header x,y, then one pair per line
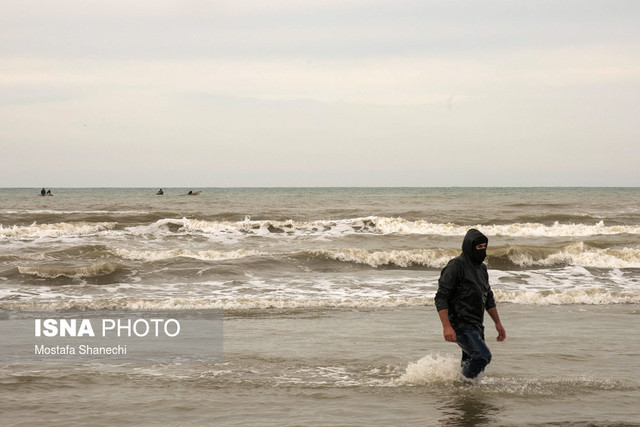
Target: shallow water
x,y
328,303
374,367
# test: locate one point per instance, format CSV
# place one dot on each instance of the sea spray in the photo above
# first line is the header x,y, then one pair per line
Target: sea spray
x,y
432,369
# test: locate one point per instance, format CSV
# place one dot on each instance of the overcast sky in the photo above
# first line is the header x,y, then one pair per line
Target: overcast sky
x,y
232,93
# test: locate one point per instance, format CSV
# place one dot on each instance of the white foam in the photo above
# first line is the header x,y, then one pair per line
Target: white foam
x,y
160,227
61,229
96,269
320,228
234,303
402,226
177,253
577,254
387,225
436,258
238,300
432,369
595,296
580,255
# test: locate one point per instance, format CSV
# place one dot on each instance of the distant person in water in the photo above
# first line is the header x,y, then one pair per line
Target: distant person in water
x,y
49,193
463,296
191,193
42,192
160,192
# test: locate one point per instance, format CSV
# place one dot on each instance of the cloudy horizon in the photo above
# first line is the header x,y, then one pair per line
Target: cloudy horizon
x,y
319,93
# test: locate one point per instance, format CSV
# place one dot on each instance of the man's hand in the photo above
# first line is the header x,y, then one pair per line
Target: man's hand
x,y
502,334
447,330
449,334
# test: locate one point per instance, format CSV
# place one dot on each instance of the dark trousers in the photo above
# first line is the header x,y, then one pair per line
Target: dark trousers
x,y
475,353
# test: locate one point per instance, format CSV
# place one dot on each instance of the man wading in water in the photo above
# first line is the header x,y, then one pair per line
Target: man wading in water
x,y
463,296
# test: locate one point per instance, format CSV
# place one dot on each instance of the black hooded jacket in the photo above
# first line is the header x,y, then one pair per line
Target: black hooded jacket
x,y
463,287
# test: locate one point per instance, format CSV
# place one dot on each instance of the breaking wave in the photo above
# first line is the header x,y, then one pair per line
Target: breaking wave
x,y
177,253
402,226
576,254
61,229
385,225
433,258
302,301
502,258
499,258
373,225
368,225
593,296
273,227
52,272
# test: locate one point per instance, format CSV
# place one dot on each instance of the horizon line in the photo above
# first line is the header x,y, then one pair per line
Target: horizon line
x,y
321,187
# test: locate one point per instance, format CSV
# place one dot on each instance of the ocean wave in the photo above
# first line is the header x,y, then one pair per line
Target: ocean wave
x,y
255,304
319,228
181,253
273,227
499,258
240,304
399,225
381,225
594,296
84,271
433,258
164,226
71,212
56,230
576,254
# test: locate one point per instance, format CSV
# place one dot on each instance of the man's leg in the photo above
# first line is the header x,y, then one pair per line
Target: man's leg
x,y
465,359
475,353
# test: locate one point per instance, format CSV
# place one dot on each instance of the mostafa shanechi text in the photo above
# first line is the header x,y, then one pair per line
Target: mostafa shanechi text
x,y
112,336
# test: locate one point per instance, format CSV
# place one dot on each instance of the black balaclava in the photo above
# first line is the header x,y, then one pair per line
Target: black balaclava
x,y
478,255
471,240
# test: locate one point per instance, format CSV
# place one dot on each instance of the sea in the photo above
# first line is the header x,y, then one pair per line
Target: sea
x,y
327,301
